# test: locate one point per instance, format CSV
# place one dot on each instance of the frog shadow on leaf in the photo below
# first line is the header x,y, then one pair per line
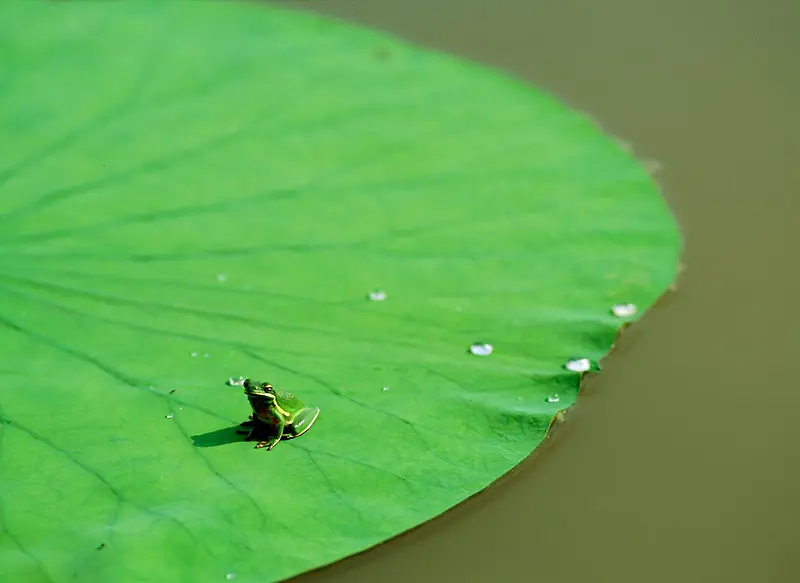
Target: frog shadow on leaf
x,y
235,434
219,437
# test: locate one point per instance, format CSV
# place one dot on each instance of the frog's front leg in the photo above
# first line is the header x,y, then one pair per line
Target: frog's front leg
x,y
247,432
249,427
269,444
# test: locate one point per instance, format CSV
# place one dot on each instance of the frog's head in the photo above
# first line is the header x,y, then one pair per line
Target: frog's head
x,y
258,389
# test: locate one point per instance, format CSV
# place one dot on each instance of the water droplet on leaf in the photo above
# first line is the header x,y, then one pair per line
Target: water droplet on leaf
x,y
230,576
221,277
206,355
481,349
377,295
168,415
194,354
623,310
385,388
553,398
236,381
578,365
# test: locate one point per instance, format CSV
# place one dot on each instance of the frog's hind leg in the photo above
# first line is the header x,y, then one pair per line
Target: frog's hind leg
x,y
302,422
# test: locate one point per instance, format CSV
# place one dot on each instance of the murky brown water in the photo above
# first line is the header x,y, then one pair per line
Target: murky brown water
x,y
681,462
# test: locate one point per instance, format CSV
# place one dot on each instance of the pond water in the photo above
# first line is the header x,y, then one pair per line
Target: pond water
x,y
681,462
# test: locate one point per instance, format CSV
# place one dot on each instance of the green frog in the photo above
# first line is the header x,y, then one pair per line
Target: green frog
x,y
276,415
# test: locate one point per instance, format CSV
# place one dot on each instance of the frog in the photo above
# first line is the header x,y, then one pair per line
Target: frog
x,y
277,413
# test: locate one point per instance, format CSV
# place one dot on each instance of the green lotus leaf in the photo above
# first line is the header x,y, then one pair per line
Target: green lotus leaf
x,y
191,191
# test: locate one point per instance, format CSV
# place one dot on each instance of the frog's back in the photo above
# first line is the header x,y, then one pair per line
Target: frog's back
x,y
289,402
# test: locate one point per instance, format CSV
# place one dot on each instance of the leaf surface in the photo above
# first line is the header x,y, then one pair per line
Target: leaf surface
x,y
195,190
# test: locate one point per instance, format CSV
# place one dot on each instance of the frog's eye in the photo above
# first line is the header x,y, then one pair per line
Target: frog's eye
x,y
266,387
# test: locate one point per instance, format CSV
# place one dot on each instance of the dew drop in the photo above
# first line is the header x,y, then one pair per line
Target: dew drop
x,y
206,355
385,388
623,310
554,398
194,354
236,381
168,415
221,277
230,576
578,365
481,349
377,295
